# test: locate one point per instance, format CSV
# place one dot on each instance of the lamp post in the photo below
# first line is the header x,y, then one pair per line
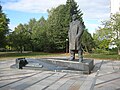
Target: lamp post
x,y
66,46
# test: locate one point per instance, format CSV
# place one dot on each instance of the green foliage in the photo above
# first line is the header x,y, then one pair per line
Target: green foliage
x,y
19,37
116,28
109,33
72,8
59,20
87,41
49,35
103,36
29,37
101,51
57,31
39,35
4,30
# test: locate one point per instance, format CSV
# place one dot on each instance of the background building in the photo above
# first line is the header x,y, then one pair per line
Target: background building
x,y
115,6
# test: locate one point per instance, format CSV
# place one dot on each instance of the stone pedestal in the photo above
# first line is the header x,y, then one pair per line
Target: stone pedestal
x,y
86,65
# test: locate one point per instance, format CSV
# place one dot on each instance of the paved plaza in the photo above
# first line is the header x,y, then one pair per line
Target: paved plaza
x,y
109,76
105,76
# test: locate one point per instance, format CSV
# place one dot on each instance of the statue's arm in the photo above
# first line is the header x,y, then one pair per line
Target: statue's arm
x,y
80,31
69,31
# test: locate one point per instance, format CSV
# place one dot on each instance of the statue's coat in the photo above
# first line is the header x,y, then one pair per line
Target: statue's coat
x,y
75,32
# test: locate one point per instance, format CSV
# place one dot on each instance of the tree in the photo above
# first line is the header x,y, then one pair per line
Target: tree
x,y
39,35
19,38
58,23
103,35
31,29
49,35
73,8
4,29
87,41
57,27
115,20
31,36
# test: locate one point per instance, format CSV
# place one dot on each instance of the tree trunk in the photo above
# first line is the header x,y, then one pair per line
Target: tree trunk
x,y
20,49
118,51
86,49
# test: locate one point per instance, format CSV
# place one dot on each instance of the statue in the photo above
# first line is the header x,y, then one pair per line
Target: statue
x,y
75,32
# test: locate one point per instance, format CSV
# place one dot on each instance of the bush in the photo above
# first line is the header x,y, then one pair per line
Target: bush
x,y
113,51
101,51
2,49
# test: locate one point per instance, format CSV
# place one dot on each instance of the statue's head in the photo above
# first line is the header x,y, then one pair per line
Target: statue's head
x,y
74,17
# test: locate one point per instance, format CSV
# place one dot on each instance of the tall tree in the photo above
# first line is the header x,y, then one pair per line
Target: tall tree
x,y
103,35
57,27
73,8
58,22
39,35
18,37
87,41
4,29
115,20
31,30
51,34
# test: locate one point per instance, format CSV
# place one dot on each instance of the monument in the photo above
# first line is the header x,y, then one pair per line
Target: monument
x,y
75,33
61,64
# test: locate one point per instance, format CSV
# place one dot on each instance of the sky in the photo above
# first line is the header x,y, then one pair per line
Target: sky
x,y
21,11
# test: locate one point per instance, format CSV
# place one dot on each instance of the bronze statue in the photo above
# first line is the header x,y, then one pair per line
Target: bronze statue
x,y
75,32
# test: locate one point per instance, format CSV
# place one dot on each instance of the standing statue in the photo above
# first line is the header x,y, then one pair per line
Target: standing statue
x,y
75,32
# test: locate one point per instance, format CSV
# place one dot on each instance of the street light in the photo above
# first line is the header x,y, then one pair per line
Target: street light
x,y
66,45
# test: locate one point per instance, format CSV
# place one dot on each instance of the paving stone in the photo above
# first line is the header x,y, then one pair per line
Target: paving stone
x,y
108,78
60,83
49,81
27,82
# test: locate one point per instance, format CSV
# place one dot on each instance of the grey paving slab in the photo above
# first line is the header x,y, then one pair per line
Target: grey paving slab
x,y
67,85
107,86
66,82
89,82
15,79
28,81
48,81
76,85
14,76
7,82
6,63
109,76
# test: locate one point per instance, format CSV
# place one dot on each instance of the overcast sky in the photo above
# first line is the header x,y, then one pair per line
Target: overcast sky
x,y
20,11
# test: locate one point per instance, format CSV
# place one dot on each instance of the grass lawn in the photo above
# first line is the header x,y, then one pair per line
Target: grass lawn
x,y
103,56
14,55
